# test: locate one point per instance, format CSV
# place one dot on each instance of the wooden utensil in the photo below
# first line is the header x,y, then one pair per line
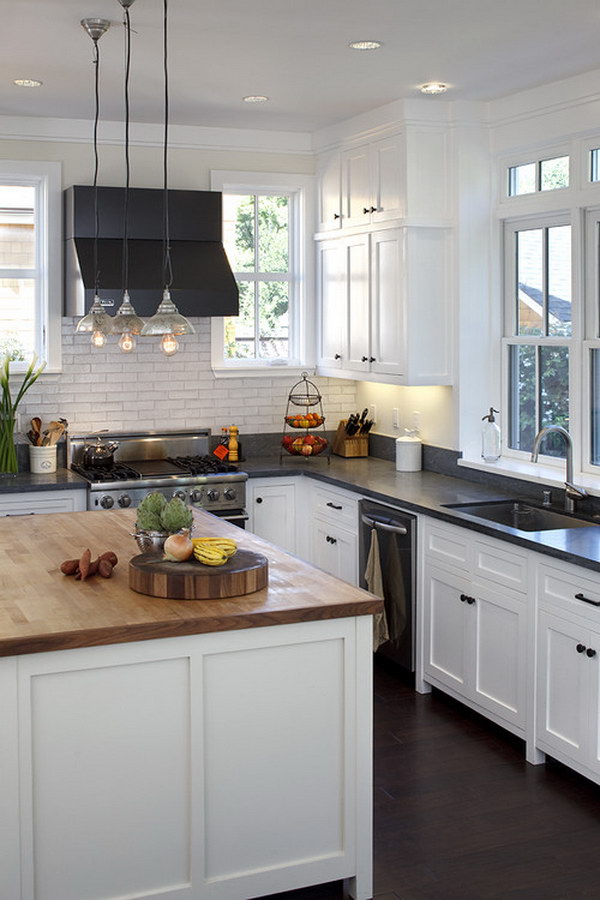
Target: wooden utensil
x,y
36,428
53,433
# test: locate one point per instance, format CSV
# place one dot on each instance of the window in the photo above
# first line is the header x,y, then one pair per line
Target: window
x,y
264,222
30,259
543,175
539,327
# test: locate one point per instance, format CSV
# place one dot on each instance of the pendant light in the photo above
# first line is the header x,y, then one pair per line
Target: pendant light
x,y
97,321
167,321
126,322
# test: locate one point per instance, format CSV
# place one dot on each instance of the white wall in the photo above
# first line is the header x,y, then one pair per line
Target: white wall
x,y
434,405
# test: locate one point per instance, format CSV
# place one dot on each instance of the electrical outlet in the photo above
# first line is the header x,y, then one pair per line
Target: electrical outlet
x,y
373,412
416,417
395,419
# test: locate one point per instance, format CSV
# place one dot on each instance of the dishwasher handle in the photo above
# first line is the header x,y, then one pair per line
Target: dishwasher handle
x,y
383,526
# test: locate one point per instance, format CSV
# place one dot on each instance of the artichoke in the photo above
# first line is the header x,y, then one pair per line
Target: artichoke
x,y
176,515
149,511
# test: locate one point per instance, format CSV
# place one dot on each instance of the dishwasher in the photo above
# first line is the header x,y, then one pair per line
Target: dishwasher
x,y
396,543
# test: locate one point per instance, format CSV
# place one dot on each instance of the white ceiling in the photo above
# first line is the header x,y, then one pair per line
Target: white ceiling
x,y
294,51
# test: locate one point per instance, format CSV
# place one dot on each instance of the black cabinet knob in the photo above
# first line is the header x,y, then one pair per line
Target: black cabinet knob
x,y
364,359
470,600
366,210
589,652
259,499
338,356
373,209
580,648
336,216
463,598
331,540
372,359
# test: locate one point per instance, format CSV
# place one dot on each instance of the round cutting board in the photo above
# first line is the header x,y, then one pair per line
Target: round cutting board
x,y
243,573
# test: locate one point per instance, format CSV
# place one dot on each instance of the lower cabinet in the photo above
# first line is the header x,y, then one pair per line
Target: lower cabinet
x,y
568,679
210,767
272,511
33,502
335,550
475,644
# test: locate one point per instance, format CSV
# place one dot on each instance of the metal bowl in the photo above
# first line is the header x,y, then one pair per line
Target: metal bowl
x,y
151,542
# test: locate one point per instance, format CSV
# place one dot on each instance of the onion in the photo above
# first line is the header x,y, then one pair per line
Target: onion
x,y
178,547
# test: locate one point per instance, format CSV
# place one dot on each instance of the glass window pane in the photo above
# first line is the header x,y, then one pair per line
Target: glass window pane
x,y
594,167
530,281
273,234
239,231
595,411
521,387
554,173
273,310
17,317
17,245
559,281
554,396
239,330
521,179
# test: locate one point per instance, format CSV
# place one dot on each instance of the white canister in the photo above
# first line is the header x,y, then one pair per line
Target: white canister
x,y
42,460
409,452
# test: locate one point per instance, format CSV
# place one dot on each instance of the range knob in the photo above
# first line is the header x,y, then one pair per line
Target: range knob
x,y
180,495
229,494
124,500
196,496
213,494
107,502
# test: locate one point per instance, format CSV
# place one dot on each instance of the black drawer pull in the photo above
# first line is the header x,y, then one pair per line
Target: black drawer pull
x,y
333,506
580,648
463,598
587,600
470,600
589,652
331,540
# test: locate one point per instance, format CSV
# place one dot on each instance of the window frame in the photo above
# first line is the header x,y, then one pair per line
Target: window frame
x,y
46,178
300,188
510,328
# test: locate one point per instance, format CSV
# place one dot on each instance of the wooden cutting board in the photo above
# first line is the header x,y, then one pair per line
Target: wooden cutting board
x,y
244,573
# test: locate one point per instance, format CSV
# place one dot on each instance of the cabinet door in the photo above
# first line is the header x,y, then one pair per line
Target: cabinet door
x,y
563,688
335,550
329,188
499,648
387,179
332,303
357,297
356,187
388,313
271,507
445,619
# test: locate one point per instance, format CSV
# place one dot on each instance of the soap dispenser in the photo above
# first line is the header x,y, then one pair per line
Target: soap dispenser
x,y
490,437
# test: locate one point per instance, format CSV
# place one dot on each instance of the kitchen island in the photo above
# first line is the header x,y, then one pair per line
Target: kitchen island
x,y
178,749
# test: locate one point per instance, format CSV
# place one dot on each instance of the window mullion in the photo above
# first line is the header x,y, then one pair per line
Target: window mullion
x,y
545,280
538,391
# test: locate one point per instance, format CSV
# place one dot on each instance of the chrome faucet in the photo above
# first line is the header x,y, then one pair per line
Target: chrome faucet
x,y
572,493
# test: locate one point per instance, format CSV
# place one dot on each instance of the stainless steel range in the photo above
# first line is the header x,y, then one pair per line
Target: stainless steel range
x,y
175,463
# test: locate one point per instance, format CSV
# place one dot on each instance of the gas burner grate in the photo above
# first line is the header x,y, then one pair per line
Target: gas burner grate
x,y
201,465
95,474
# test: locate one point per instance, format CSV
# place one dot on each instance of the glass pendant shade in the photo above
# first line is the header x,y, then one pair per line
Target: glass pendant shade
x,y
126,320
167,320
97,321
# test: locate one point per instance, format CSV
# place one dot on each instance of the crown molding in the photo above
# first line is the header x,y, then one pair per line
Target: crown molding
x,y
196,137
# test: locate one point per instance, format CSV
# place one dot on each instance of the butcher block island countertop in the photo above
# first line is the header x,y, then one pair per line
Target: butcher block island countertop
x,y
41,609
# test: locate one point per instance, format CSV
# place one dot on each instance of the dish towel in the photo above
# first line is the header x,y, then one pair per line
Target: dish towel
x,y
374,580
394,588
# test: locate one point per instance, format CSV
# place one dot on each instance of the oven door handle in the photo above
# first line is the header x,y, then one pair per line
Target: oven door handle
x,y
383,526
241,517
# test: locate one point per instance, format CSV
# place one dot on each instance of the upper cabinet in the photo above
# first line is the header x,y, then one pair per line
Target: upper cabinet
x,y
361,186
384,238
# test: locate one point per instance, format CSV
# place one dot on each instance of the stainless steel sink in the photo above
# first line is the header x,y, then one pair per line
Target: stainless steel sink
x,y
521,515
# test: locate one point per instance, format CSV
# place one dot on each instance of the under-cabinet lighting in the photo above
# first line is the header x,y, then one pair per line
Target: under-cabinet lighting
x,y
255,98
365,45
27,82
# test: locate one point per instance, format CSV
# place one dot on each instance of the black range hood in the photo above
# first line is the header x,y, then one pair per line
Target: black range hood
x,y
203,283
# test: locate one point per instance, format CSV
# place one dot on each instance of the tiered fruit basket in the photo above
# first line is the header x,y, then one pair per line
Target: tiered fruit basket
x,y
304,412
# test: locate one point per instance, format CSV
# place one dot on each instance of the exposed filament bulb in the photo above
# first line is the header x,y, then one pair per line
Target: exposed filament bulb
x,y
98,339
169,344
127,342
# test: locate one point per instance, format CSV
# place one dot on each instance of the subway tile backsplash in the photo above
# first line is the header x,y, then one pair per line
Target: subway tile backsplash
x,y
148,391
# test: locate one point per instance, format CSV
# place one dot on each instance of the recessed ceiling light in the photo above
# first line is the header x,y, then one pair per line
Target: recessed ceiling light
x,y
365,45
434,87
27,82
255,98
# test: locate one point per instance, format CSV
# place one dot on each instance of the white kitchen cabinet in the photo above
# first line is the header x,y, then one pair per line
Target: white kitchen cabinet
x,y
335,550
33,502
169,767
361,185
384,306
272,510
474,628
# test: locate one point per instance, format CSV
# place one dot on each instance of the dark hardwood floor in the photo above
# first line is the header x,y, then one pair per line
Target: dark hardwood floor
x,y
460,815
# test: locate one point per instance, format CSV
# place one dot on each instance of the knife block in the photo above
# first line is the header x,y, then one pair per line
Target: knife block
x,y
349,446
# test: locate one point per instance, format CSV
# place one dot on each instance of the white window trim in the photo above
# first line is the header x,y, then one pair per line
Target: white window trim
x,y
47,179
303,251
